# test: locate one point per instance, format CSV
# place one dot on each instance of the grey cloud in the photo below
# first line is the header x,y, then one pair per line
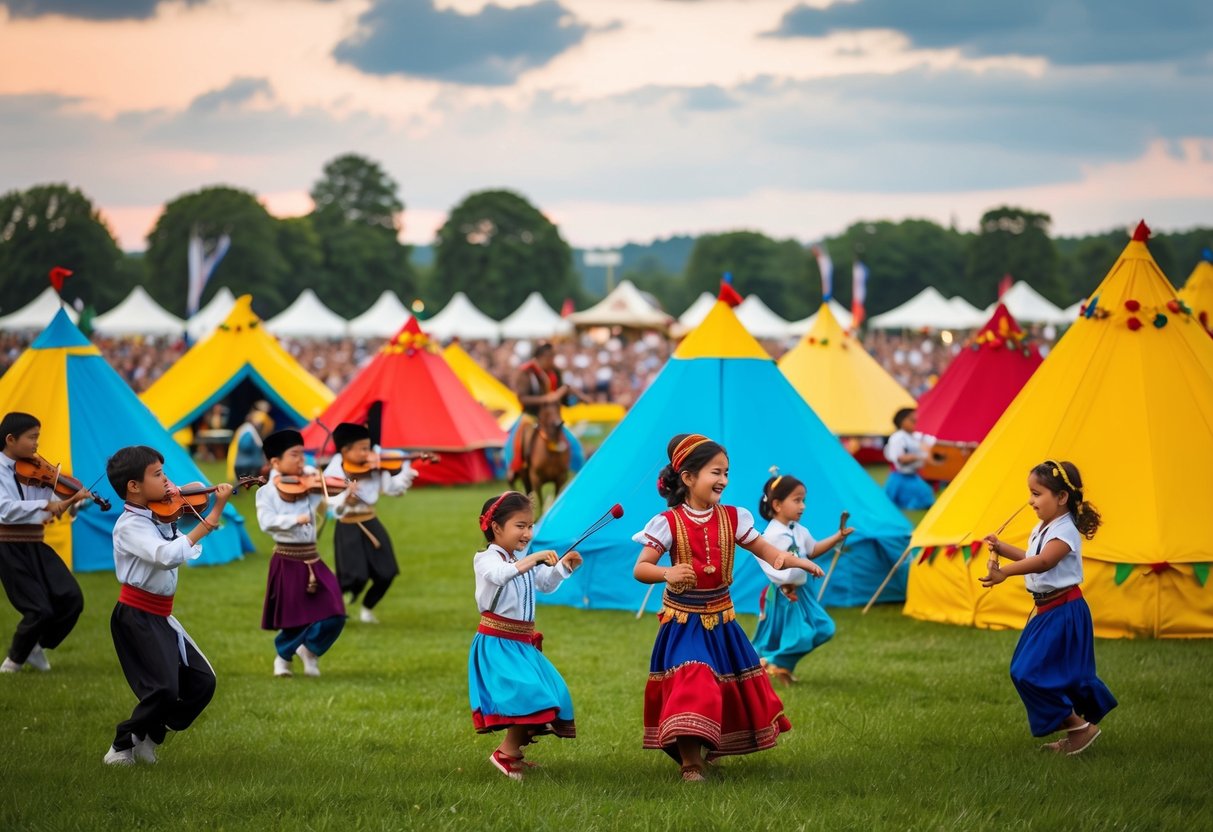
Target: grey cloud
x,y
86,9
490,48
234,94
1070,32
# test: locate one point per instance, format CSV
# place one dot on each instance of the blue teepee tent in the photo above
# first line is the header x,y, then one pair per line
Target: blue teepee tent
x,y
721,383
88,412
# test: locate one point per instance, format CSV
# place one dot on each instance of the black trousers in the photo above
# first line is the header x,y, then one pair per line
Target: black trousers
x,y
360,563
171,694
42,588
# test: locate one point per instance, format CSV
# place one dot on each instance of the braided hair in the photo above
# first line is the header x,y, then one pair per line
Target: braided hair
x,y
1063,478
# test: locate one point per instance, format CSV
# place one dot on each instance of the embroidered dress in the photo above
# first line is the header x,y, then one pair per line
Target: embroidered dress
x,y
704,677
510,682
1053,666
790,630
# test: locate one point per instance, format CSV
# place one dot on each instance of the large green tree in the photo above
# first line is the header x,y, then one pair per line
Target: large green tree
x,y
57,225
357,220
498,248
1014,241
254,263
777,271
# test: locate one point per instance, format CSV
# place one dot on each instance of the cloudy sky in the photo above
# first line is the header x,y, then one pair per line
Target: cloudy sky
x,y
625,119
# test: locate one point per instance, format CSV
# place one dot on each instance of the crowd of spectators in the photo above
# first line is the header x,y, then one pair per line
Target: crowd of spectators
x,y
613,369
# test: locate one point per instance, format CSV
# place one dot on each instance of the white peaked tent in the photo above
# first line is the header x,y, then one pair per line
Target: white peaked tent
x,y
841,314
37,313
1028,306
534,319
928,309
139,314
308,317
461,319
382,320
696,312
968,316
624,306
759,320
1073,311
211,315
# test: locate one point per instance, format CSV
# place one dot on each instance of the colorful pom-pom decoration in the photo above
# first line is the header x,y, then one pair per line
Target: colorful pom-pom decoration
x,y
1173,306
1160,320
1134,324
1132,305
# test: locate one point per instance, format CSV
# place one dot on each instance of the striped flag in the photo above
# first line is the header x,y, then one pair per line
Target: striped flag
x,y
826,266
201,267
859,292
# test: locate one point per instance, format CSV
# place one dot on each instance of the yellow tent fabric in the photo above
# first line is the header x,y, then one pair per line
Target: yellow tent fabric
x,y
237,349
720,335
1127,396
846,387
1198,293
494,396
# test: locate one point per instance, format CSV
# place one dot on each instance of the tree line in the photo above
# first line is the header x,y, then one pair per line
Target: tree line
x,y
498,247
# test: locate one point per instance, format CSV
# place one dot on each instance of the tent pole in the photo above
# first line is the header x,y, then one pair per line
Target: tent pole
x,y
645,602
887,578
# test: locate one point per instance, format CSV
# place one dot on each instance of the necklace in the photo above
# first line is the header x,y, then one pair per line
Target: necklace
x,y
702,520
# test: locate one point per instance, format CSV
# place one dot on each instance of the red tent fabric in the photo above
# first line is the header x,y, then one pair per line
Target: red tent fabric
x,y
980,382
422,406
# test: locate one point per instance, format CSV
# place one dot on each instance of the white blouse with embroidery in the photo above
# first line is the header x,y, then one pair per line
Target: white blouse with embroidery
x,y
657,535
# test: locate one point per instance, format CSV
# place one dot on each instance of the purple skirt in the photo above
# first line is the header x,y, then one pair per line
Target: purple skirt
x,y
287,601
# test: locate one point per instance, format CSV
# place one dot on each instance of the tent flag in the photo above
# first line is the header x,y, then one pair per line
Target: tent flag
x,y
859,292
202,265
826,266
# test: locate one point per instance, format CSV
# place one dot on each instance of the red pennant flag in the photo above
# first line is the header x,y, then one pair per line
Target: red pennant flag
x,y
1005,285
58,275
567,308
728,294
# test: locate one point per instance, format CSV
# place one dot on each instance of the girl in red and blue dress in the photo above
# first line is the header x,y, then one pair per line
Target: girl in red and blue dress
x,y
1053,666
706,688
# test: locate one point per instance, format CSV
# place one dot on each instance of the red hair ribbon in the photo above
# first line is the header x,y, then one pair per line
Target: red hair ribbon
x,y
486,519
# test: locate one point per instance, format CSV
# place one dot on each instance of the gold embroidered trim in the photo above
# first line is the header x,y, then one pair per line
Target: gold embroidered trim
x,y
712,611
297,551
726,540
519,628
724,679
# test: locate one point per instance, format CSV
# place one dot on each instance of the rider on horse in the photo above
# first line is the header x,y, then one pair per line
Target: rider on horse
x,y
537,383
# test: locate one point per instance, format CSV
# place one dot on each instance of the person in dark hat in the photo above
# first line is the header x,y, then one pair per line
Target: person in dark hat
x,y
365,557
302,596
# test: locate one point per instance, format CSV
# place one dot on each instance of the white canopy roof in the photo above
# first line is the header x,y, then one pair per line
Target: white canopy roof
x,y
1028,306
461,319
759,320
928,309
139,314
1073,311
211,315
37,313
697,311
534,319
967,315
308,317
624,306
382,320
841,314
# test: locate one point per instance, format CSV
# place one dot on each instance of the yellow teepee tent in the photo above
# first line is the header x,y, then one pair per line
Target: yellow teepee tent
x,y
846,387
1198,291
1127,396
238,349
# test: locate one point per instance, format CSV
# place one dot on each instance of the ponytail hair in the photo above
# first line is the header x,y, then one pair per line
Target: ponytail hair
x,y
778,487
500,509
688,453
1063,477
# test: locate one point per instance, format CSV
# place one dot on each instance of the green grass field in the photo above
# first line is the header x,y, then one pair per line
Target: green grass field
x,y
899,724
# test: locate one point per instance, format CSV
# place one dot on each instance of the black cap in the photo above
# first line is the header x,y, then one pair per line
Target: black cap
x,y
347,433
279,442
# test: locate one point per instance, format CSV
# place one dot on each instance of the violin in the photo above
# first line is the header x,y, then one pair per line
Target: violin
x,y
192,498
37,471
291,488
390,461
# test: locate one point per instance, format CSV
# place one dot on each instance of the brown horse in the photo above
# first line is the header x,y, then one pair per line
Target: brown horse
x,y
545,455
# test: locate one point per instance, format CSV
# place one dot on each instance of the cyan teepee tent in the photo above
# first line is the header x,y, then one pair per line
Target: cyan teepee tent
x,y
88,412
720,382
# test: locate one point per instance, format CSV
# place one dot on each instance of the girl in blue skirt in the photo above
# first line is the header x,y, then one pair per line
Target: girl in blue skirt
x,y
512,686
1053,667
905,451
792,623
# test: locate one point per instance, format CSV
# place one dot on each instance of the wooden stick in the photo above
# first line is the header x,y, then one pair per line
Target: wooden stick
x,y
645,602
887,578
842,544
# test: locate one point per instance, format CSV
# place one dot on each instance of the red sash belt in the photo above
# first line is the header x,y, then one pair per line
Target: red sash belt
x,y
132,596
1064,597
502,627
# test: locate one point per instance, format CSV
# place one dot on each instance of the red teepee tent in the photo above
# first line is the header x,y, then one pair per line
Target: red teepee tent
x,y
419,403
979,383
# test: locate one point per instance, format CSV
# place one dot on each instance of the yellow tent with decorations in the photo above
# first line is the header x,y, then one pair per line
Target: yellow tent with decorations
x,y
844,385
88,412
1198,291
1127,396
238,352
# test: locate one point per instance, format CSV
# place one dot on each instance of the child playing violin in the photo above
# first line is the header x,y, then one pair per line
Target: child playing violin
x,y
363,549
37,581
164,667
302,597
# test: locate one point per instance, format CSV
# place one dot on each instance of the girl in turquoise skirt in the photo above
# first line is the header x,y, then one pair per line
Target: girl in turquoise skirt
x,y
792,623
511,684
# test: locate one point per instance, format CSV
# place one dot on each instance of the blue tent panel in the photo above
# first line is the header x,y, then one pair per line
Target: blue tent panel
x,y
748,406
295,418
106,415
